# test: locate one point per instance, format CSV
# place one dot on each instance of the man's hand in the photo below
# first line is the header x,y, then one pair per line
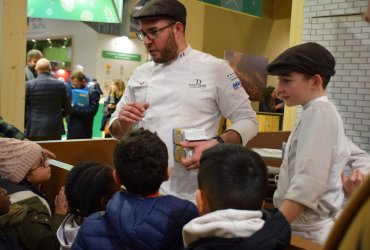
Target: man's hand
x,y
129,114
197,147
351,183
132,112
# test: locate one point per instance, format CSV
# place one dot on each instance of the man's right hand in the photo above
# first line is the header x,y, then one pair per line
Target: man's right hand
x,y
129,114
132,112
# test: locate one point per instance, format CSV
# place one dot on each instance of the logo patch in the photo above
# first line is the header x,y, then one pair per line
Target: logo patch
x,y
236,85
197,84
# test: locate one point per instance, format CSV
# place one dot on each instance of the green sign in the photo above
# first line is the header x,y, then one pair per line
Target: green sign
x,y
105,11
252,7
121,56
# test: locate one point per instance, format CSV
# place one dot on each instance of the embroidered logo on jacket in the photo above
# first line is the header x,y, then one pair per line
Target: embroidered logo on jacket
x,y
197,84
236,85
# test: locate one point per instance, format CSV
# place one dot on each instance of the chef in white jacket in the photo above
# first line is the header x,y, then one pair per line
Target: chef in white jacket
x,y
181,88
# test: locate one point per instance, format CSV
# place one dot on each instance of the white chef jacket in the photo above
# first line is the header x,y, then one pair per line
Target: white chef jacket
x,y
193,91
314,158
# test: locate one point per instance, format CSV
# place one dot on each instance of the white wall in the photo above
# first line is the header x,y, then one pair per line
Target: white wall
x,y
87,46
339,26
118,68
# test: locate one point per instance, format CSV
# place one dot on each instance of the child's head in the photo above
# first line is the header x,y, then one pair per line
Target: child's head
x,y
88,188
23,160
4,201
231,177
304,71
141,162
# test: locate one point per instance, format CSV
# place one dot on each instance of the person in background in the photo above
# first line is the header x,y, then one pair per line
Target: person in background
x,y
96,86
310,190
181,88
7,241
138,218
23,169
32,57
270,102
46,104
80,121
88,188
117,87
231,213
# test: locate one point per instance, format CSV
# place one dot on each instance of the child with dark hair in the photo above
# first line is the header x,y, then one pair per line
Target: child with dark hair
x,y
88,188
232,187
138,218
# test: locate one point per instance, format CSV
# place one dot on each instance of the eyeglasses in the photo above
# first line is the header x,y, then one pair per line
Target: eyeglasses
x,y
42,163
152,33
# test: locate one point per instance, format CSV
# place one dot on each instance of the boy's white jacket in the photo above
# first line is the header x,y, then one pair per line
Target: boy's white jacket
x,y
229,223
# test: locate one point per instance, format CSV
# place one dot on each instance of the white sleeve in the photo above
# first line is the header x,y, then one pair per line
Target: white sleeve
x,y
314,152
235,105
359,159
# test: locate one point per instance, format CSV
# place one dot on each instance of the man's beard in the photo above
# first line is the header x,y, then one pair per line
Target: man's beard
x,y
169,51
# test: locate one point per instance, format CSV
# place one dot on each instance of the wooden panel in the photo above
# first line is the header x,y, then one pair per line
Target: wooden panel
x,y
72,152
268,122
13,29
269,140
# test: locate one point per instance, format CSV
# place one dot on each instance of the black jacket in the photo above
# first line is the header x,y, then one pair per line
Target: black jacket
x,y
46,104
80,121
275,234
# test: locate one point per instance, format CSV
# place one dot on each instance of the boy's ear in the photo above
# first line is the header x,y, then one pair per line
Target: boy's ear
x,y
116,179
202,202
318,81
167,176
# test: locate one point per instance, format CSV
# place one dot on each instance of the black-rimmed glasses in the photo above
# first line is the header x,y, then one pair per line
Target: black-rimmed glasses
x,y
42,163
151,33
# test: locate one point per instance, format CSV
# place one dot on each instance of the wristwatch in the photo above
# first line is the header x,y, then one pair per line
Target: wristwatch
x,y
219,139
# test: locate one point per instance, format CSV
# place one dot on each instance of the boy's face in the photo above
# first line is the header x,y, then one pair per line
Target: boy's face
x,y
294,89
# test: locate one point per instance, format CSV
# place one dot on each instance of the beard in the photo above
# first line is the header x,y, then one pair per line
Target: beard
x,y
169,52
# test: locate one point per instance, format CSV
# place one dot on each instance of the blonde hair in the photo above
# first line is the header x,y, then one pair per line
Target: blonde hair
x,y
120,88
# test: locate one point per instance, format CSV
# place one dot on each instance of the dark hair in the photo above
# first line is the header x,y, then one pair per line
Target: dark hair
x,y
33,53
325,79
232,176
87,183
141,161
267,104
79,75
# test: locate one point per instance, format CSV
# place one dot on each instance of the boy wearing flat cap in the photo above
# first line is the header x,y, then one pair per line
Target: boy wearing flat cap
x,y
310,191
181,88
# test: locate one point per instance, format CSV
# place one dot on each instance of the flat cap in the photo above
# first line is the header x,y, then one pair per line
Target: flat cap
x,y
156,9
311,58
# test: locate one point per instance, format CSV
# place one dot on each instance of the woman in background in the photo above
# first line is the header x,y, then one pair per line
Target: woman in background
x,y
271,102
117,87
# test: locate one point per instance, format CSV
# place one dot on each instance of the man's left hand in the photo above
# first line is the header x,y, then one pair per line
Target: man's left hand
x,y
197,147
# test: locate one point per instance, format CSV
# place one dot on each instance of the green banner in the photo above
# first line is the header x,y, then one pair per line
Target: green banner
x,y
251,7
105,11
121,56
